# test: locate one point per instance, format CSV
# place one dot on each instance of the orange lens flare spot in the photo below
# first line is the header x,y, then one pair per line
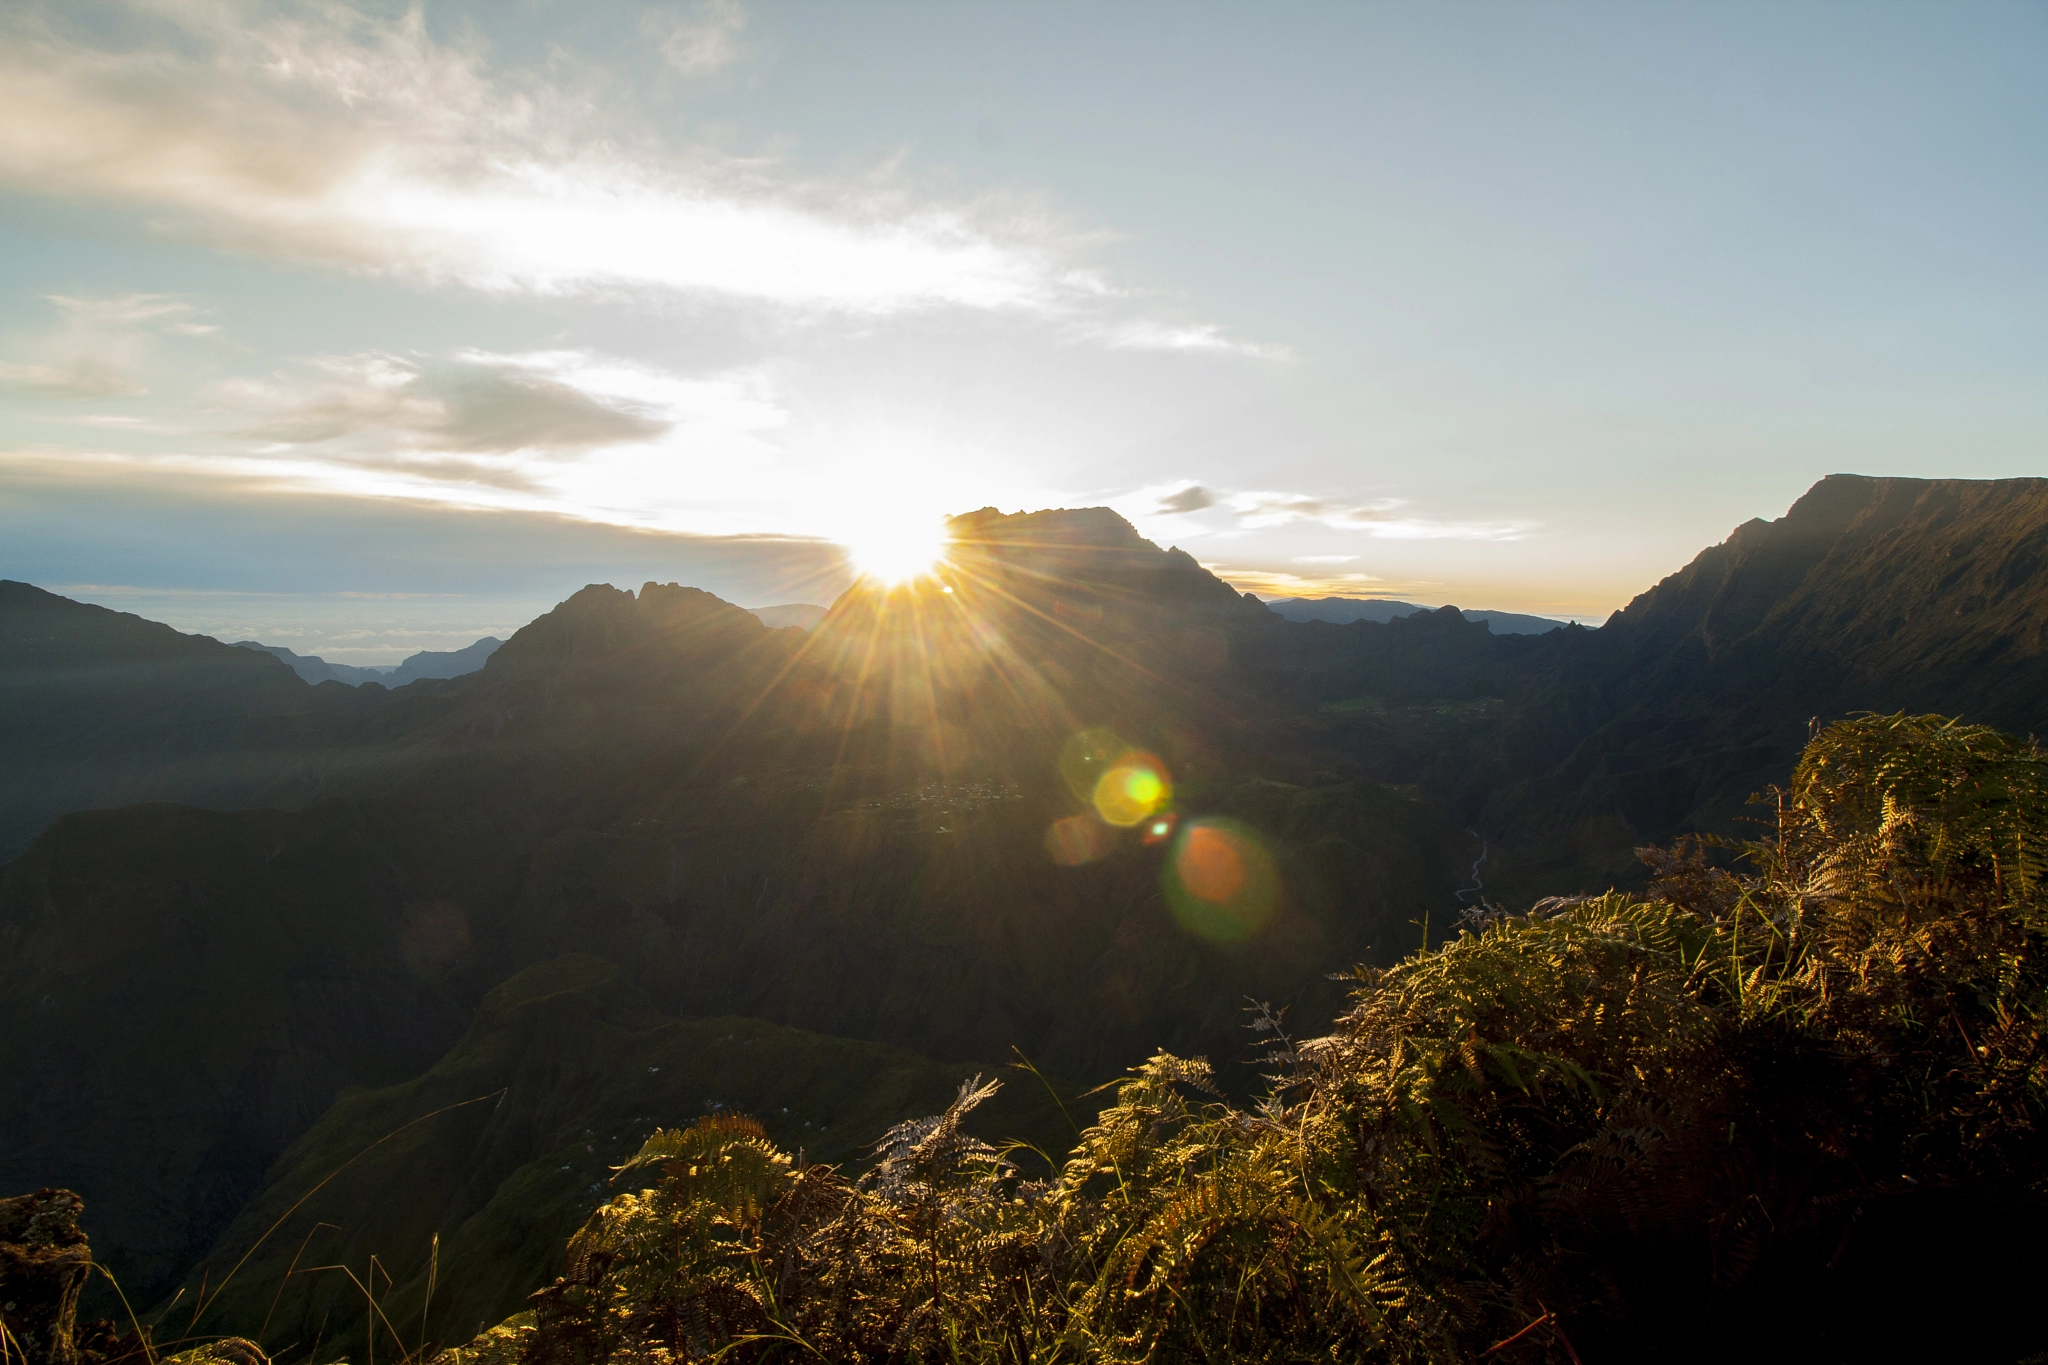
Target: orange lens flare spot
x,y
1132,788
1210,864
1076,840
1221,881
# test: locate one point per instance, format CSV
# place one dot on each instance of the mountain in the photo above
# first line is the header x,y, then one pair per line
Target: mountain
x,y
1568,750
1869,594
443,663
101,708
314,669
882,838
1344,610
751,822
802,615
428,663
424,664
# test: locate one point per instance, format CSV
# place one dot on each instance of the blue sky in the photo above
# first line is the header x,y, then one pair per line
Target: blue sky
x,y
366,328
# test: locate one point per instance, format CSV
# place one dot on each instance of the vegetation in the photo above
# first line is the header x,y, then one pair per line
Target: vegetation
x,y
1739,1111
843,834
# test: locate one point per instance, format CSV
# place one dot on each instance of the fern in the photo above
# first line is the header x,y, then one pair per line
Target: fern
x,y
1612,1115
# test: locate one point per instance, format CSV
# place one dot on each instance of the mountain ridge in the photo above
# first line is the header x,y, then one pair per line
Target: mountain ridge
x,y
1344,610
849,831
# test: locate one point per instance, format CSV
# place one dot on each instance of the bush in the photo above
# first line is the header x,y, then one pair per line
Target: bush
x,y
1787,1111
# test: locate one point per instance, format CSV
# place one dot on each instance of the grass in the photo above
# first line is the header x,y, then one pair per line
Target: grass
x,y
1728,1116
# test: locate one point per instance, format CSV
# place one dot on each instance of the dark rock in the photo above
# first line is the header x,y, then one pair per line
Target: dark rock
x,y
44,1261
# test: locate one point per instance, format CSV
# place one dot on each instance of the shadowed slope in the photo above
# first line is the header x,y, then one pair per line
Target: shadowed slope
x,y
661,780
573,1069
102,708
1869,594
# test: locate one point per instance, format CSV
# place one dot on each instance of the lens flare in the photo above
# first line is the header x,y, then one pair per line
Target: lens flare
x,y
1221,881
1076,840
1133,787
1086,757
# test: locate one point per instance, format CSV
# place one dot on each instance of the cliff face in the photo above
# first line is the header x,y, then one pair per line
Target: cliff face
x,y
1868,595
1890,587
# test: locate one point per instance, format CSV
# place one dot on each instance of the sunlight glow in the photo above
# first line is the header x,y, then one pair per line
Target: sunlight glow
x,y
895,551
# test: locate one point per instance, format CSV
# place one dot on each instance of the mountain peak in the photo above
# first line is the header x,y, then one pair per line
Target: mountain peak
x,y
600,620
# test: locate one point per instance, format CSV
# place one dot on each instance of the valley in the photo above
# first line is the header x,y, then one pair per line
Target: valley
x,y
658,861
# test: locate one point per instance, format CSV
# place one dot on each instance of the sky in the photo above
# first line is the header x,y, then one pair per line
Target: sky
x,y
365,328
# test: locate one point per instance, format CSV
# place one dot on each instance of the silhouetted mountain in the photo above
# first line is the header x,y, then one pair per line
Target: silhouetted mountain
x,y
802,615
1344,610
428,663
314,669
750,821
102,708
443,663
1869,594
871,836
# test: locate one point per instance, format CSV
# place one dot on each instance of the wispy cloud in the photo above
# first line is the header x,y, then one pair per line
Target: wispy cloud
x,y
1388,518
97,348
1199,510
333,137
1145,334
701,39
329,136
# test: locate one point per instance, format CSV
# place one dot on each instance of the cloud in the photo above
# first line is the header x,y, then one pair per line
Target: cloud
x,y
1242,513
82,378
701,40
97,348
1144,334
472,405
1324,559
1383,517
568,431
1193,498
1273,583
332,137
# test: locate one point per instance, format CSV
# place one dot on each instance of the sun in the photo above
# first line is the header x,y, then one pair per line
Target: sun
x,y
892,551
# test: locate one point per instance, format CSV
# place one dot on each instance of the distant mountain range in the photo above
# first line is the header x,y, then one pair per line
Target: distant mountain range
x,y
259,922
802,615
428,663
1344,610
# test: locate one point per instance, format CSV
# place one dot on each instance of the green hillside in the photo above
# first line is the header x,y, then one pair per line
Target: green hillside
x,y
504,1146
